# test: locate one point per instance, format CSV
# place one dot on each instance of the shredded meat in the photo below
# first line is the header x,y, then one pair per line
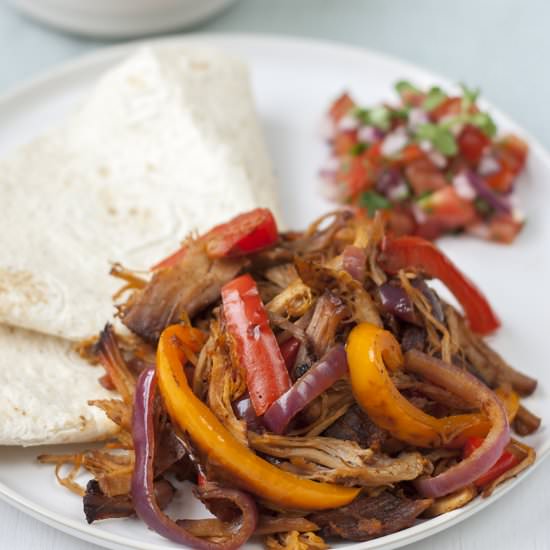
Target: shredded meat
x,y
488,365
369,517
352,293
327,316
356,426
178,291
338,461
98,506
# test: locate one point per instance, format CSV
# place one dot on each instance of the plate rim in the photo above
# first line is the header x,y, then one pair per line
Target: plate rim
x,y
113,53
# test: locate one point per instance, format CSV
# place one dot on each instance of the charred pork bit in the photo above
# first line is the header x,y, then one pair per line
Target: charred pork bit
x,y
413,338
110,356
343,286
525,422
98,506
522,383
370,517
184,289
327,316
356,426
488,365
170,449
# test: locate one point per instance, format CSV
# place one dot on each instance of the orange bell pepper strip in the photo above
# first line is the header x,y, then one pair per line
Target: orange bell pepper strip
x,y
371,351
249,471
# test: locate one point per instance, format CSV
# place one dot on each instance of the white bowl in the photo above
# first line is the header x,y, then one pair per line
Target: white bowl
x,y
120,18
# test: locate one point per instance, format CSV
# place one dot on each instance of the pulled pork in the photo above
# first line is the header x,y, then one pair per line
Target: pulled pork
x,y
370,517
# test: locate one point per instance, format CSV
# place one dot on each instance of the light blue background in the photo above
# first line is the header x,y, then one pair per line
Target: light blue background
x,y
501,45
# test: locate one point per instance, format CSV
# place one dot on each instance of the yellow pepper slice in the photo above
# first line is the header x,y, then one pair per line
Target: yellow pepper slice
x,y
371,351
249,471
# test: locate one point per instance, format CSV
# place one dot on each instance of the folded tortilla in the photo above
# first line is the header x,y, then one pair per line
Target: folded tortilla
x,y
44,391
167,143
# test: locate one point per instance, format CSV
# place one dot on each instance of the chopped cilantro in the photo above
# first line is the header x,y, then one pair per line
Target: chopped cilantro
x,y
380,117
403,112
373,201
405,86
423,195
357,149
483,207
440,136
469,96
362,115
485,123
425,201
436,96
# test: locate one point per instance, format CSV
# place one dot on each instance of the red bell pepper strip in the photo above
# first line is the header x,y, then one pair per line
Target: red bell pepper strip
x,y
289,351
255,344
416,253
247,233
506,461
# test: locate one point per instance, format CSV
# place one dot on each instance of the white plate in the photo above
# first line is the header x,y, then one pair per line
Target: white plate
x,y
294,81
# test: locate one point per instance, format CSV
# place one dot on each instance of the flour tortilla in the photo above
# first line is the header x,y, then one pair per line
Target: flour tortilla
x,y
167,143
44,391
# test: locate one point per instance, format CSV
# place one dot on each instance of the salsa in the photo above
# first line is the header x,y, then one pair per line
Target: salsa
x,y
432,163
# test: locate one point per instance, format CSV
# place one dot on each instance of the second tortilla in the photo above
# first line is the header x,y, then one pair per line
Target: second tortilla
x,y
167,143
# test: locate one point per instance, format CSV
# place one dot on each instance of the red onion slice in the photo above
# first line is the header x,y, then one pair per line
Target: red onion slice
x,y
483,191
313,383
469,388
143,494
354,261
396,301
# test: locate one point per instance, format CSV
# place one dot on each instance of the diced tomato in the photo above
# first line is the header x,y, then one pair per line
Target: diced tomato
x,y
452,106
411,252
359,173
353,173
343,142
254,342
511,153
400,221
502,180
430,229
410,153
503,228
515,151
448,208
424,175
412,98
472,142
341,107
506,461
247,233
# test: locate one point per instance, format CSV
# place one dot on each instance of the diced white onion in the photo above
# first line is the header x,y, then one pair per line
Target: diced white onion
x,y
463,187
394,142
